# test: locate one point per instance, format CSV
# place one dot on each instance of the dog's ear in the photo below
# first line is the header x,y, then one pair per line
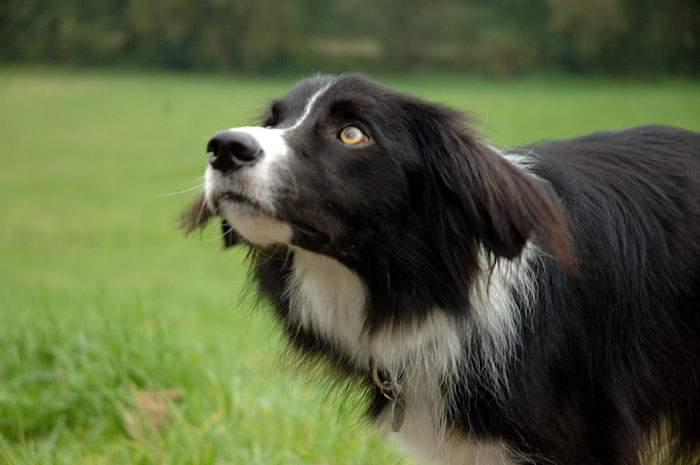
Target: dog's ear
x,y
485,197
513,206
197,215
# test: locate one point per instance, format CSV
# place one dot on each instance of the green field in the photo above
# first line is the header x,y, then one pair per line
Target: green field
x,y
101,298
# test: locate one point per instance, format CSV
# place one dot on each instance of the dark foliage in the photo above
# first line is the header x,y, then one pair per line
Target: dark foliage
x,y
501,37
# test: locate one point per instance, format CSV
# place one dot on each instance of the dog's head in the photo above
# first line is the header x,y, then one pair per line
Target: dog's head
x,y
349,168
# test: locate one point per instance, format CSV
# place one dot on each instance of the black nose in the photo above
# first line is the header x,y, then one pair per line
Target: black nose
x,y
229,150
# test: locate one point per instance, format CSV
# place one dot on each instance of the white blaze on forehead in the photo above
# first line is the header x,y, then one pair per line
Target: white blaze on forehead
x,y
310,104
272,140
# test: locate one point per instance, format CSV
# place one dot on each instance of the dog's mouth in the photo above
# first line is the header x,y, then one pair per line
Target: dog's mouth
x,y
304,232
249,204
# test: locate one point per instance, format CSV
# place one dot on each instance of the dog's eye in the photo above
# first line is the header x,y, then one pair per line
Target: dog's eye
x,y
352,135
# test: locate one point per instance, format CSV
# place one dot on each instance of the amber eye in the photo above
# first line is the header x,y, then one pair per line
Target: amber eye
x,y
352,135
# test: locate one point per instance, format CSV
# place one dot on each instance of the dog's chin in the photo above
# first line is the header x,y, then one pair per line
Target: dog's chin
x,y
262,228
253,224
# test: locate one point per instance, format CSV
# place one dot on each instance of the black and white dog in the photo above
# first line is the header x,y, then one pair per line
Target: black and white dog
x,y
538,305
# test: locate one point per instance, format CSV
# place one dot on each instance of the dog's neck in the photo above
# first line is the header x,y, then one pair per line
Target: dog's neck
x,y
331,301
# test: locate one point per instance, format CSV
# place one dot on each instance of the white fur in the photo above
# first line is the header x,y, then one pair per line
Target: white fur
x,y
433,447
523,159
496,318
259,229
328,299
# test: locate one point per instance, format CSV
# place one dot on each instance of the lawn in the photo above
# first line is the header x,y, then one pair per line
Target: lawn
x,y
102,301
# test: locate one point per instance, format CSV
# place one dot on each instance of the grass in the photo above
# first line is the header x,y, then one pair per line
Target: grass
x,y
101,297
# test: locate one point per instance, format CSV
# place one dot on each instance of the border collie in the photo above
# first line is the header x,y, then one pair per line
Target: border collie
x,y
535,305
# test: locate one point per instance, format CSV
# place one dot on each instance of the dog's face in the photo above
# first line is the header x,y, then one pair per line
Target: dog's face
x,y
344,166
331,160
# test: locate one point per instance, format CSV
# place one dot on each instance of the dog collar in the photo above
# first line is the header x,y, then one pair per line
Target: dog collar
x,y
390,388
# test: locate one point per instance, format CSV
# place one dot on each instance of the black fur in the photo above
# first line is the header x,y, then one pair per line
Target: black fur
x,y
610,354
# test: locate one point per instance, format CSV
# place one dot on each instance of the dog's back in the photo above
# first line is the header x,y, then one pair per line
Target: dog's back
x,y
633,311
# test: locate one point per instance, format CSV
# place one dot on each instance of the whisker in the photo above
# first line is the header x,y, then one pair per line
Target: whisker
x,y
199,185
169,194
212,239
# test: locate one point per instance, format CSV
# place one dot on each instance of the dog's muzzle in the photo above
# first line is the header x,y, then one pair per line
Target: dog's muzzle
x,y
230,150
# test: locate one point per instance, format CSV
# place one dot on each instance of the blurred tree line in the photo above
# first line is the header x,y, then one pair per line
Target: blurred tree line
x,y
500,37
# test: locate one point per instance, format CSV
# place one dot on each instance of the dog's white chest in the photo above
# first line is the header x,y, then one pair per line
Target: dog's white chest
x,y
425,436
329,300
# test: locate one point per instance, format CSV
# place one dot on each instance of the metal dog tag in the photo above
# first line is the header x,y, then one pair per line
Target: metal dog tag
x,y
397,413
391,390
